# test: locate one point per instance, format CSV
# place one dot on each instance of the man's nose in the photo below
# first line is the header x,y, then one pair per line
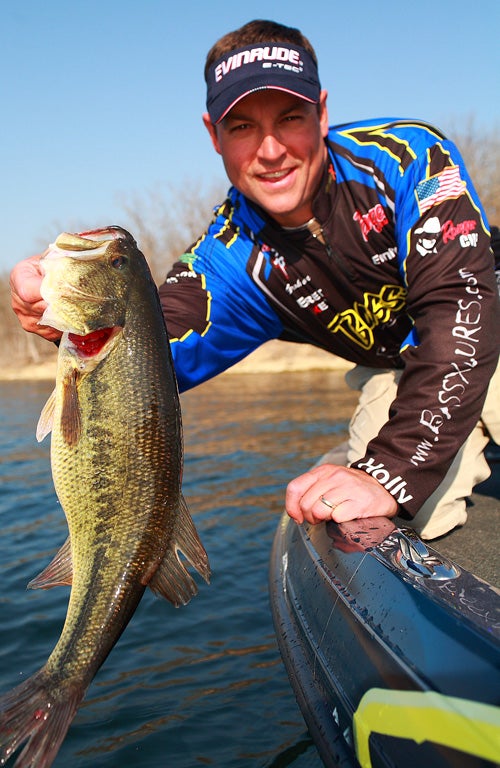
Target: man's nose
x,y
270,147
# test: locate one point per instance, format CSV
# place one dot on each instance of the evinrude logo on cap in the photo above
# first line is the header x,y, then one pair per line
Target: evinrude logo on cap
x,y
276,55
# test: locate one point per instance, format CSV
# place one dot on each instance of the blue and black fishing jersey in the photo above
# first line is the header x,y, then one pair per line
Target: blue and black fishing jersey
x,y
395,270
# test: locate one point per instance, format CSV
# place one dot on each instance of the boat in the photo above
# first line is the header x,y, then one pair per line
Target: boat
x,y
391,646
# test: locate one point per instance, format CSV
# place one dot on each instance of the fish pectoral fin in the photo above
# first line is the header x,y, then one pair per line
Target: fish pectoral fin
x,y
71,422
46,419
172,580
59,571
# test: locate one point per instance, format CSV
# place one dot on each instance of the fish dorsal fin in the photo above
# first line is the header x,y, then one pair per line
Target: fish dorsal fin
x,y
71,422
46,419
59,571
172,580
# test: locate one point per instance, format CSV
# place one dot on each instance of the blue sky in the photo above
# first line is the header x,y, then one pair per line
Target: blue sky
x,y
102,99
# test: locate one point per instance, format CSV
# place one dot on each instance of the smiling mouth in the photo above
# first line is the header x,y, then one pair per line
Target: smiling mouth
x,y
275,175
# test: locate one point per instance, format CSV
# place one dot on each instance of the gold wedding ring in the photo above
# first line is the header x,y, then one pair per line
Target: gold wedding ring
x,y
332,505
327,503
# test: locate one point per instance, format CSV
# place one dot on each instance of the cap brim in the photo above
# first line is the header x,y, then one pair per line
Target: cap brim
x,y
230,102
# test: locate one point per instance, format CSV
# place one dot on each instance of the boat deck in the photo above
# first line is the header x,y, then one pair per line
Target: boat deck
x,y
475,546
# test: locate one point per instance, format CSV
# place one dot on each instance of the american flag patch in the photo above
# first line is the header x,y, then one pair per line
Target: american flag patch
x,y
440,187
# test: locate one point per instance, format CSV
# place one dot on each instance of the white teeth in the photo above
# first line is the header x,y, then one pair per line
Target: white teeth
x,y
275,175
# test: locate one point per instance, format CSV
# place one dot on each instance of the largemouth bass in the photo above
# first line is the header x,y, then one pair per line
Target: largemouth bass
x,y
116,456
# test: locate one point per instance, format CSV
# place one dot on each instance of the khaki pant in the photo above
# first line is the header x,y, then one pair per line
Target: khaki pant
x,y
446,507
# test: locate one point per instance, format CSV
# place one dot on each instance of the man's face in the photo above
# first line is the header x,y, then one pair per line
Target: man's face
x,y
273,151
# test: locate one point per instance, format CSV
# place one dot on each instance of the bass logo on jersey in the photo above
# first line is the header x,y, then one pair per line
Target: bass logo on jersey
x,y
360,321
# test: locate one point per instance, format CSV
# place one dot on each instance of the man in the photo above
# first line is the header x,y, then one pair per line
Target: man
x,y
367,240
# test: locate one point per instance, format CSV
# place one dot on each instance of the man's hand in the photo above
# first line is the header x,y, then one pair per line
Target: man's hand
x,y
331,492
27,303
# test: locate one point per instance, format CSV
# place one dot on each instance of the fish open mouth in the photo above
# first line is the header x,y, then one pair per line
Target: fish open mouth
x,y
92,343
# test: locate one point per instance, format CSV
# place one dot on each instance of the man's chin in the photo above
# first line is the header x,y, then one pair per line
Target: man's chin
x,y
283,210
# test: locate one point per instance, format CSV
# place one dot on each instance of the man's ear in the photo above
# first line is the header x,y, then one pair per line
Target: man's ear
x,y
212,130
323,113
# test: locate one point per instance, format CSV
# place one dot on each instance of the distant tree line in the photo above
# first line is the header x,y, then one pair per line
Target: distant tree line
x,y
481,152
166,222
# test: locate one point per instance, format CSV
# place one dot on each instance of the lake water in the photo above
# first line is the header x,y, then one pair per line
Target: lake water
x,y
203,684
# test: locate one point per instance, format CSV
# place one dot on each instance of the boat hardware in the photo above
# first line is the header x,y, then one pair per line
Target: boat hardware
x,y
414,557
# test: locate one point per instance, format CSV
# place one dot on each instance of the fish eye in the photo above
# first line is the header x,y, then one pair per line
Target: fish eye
x,y
118,262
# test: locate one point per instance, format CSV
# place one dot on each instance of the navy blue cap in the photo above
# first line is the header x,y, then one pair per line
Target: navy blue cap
x,y
282,66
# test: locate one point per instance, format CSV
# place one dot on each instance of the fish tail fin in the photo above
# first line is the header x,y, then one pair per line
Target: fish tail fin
x,y
32,715
172,580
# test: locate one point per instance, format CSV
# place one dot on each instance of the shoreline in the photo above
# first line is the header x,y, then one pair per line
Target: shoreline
x,y
273,357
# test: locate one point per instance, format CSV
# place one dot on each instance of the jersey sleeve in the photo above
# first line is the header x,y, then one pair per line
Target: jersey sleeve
x,y
447,268
215,314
